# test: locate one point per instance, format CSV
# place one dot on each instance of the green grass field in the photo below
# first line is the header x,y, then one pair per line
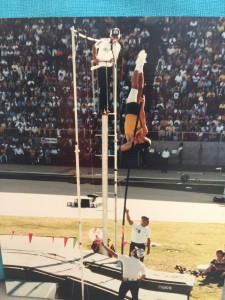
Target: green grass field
x,y
185,244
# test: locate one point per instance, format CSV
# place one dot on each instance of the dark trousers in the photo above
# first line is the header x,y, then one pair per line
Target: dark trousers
x,y
132,286
141,246
215,275
104,79
180,158
164,165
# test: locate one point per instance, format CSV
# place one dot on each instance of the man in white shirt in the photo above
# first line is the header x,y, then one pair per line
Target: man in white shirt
x,y
140,234
133,271
105,54
18,154
219,127
165,159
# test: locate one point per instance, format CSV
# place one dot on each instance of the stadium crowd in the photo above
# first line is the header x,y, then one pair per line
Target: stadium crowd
x,y
189,83
187,101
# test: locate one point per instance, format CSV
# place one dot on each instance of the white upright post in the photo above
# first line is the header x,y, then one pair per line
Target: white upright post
x,y
115,147
93,84
105,176
73,33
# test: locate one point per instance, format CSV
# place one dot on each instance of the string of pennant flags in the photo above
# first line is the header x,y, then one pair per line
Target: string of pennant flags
x,y
65,239
96,234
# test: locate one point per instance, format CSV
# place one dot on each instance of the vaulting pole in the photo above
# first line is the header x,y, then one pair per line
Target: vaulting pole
x,y
105,176
73,35
115,147
127,183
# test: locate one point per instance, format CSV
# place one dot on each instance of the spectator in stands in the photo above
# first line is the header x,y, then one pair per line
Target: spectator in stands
x,y
32,155
19,154
54,155
34,51
145,35
3,155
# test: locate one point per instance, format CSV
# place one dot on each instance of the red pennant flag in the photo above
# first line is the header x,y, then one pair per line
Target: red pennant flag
x,y
125,243
65,241
30,237
53,239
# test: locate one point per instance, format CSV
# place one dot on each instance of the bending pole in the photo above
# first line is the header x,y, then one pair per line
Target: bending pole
x,y
105,176
73,35
115,147
127,182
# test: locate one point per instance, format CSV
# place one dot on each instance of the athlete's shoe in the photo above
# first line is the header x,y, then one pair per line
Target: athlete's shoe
x,y
141,58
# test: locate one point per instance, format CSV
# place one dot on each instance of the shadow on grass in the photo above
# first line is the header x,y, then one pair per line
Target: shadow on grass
x,y
212,281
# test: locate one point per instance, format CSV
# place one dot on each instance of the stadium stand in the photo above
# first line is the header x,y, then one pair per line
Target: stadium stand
x,y
184,83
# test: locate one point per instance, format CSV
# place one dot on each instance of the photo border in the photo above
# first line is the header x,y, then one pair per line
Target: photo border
x,y
73,8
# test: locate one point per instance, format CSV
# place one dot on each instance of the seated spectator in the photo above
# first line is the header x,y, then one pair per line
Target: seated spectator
x,y
219,127
168,131
216,271
157,82
54,155
19,154
161,133
3,155
32,155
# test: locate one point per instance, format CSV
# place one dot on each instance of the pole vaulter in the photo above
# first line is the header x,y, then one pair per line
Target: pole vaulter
x,y
135,124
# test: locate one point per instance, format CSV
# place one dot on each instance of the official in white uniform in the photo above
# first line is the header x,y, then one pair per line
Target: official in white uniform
x,y
165,160
105,54
140,234
133,271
